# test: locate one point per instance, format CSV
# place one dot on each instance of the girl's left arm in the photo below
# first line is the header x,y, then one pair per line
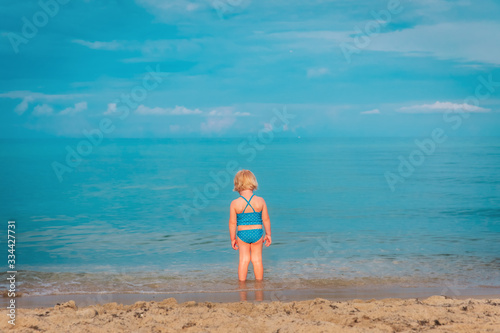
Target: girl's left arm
x,y
266,221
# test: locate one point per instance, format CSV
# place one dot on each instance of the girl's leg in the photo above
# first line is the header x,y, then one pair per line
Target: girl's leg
x,y
256,258
259,291
243,291
244,249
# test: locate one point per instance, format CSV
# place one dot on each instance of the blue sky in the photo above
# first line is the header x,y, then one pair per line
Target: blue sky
x,y
222,66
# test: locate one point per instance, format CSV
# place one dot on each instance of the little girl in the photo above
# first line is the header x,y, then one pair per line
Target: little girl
x,y
248,213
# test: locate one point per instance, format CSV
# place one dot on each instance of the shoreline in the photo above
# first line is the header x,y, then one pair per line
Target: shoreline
x,y
256,295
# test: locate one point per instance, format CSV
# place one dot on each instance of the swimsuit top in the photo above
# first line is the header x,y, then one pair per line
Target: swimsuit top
x,y
249,218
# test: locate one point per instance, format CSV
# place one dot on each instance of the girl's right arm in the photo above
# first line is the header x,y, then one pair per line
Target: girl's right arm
x,y
266,221
232,226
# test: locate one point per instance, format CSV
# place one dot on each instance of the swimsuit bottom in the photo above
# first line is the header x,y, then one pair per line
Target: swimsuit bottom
x,y
250,236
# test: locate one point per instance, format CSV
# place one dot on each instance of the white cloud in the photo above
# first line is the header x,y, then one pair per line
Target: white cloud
x,y
439,107
374,111
150,50
465,41
161,5
222,111
477,41
147,47
23,106
317,72
77,108
175,10
28,97
112,45
225,111
21,94
178,110
111,109
42,110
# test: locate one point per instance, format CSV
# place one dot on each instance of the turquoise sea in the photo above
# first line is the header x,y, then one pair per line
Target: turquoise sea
x,y
150,216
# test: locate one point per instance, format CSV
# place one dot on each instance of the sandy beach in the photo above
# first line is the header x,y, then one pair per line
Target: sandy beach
x,y
436,313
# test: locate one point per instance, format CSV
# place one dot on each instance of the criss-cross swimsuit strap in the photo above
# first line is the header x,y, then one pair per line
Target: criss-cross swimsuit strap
x,y
248,203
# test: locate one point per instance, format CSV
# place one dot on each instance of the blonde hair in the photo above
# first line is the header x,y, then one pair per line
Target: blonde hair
x,y
245,180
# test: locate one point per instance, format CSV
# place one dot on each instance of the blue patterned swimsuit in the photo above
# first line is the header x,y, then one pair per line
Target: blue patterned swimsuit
x,y
252,218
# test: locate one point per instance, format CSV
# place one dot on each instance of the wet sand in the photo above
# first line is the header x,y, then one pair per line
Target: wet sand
x,y
253,292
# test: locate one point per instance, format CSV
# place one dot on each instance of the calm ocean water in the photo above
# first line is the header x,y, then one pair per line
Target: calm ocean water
x,y
132,216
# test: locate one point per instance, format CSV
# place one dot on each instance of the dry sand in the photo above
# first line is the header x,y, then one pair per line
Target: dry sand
x,y
436,313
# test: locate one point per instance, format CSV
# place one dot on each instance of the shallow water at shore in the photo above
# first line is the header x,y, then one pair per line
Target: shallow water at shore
x,y
116,223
